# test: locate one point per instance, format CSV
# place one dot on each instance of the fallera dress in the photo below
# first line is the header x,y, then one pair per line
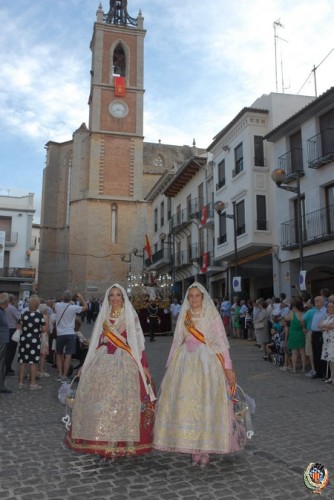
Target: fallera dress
x,y
112,414
195,410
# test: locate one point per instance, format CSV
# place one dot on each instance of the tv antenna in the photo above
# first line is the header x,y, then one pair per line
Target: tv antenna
x,y
278,24
314,69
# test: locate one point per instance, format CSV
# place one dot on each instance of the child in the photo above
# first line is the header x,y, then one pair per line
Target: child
x,y
276,338
84,343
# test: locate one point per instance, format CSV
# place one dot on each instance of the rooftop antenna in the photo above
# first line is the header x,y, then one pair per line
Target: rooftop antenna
x,y
277,24
314,75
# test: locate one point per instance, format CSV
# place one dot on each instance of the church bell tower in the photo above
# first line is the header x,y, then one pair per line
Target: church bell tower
x,y
107,188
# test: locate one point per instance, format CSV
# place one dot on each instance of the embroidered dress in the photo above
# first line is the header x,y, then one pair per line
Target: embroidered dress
x,y
112,412
195,409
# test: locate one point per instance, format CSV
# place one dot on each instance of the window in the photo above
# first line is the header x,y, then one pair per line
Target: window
x,y
188,205
222,229
162,213
239,160
169,208
330,207
119,61
240,213
296,153
261,213
258,151
303,219
155,219
221,175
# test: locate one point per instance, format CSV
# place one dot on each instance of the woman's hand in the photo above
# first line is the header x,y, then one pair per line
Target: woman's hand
x,y
230,376
147,375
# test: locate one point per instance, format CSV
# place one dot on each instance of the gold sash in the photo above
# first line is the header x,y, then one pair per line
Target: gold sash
x,y
191,328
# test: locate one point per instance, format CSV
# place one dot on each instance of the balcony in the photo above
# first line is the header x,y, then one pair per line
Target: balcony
x,y
320,148
11,238
180,220
221,183
160,259
292,164
238,168
17,272
195,207
182,259
317,227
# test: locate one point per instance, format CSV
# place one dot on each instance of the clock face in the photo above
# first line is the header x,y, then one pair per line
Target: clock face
x,y
118,109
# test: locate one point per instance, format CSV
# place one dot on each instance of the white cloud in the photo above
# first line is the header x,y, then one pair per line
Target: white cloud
x,y
203,63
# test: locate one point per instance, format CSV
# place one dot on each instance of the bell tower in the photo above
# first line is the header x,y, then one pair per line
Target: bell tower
x,y
107,184
116,100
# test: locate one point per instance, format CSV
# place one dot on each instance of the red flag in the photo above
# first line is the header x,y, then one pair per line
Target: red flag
x,y
148,249
204,215
120,89
205,262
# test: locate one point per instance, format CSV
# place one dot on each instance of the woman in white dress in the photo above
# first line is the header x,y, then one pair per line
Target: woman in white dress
x,y
195,409
327,327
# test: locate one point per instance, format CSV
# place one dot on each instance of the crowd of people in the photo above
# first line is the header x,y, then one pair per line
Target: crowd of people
x,y
297,333
116,410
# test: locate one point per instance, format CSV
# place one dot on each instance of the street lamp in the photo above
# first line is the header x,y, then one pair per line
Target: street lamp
x,y
279,177
219,206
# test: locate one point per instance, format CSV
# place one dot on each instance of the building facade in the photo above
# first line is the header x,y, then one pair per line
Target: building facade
x,y
303,148
17,272
94,211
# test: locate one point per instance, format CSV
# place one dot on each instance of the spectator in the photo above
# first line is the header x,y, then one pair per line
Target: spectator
x,y
66,340
175,309
44,352
307,318
296,338
261,326
4,340
225,312
33,325
327,327
319,364
13,316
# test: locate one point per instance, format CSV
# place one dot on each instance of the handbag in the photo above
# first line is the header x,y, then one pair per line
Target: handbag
x,y
259,324
16,335
66,393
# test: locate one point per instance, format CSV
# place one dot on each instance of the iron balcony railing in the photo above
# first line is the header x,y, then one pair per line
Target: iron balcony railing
x,y
159,258
292,163
17,272
317,226
180,220
11,238
182,259
195,206
320,148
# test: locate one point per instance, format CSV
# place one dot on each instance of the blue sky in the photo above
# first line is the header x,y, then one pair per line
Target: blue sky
x,y
203,63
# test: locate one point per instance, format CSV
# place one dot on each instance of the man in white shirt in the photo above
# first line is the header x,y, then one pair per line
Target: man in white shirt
x,y
66,312
175,309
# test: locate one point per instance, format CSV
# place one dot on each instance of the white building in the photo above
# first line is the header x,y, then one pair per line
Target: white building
x,y
245,223
16,272
303,148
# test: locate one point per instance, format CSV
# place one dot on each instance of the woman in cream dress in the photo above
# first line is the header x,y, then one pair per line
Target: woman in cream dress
x,y
195,409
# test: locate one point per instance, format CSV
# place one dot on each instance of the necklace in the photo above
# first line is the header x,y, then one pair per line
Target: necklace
x,y
195,314
115,314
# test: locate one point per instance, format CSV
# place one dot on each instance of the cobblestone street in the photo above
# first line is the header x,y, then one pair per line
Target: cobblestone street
x,y
293,427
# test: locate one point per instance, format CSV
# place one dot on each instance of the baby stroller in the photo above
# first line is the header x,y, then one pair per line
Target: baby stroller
x,y
277,356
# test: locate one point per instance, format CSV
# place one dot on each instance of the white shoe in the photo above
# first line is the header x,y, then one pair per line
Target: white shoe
x,y
311,373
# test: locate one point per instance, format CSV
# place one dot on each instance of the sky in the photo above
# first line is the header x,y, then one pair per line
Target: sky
x,y
204,62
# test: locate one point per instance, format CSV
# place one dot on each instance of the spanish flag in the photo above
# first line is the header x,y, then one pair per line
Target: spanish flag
x,y
148,249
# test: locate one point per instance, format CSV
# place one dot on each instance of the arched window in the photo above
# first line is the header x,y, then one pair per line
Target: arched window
x,y
119,61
